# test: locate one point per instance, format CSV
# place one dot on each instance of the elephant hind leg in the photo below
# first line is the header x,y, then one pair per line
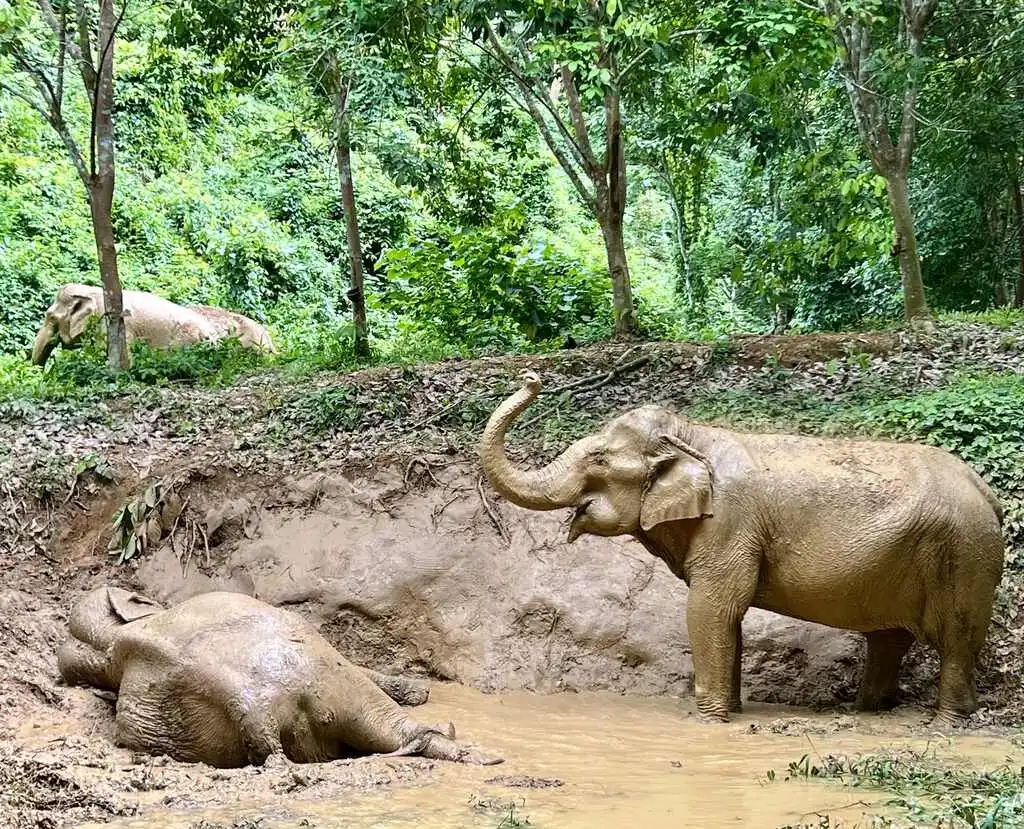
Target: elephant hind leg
x,y
401,690
879,687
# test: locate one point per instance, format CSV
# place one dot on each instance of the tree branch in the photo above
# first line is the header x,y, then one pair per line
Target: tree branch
x,y
529,99
579,126
84,49
527,89
28,99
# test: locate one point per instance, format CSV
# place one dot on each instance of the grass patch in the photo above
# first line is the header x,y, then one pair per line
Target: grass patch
x,y
924,789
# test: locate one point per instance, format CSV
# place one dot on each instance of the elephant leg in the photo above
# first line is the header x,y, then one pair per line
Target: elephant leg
x,y
712,622
958,652
401,690
879,687
735,689
82,664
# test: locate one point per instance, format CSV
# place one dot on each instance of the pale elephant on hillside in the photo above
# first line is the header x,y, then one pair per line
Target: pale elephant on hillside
x,y
227,680
895,540
156,321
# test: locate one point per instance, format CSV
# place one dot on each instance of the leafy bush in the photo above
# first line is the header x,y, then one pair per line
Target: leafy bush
x,y
492,286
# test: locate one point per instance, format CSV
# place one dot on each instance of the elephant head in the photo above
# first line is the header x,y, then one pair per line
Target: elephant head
x,y
66,319
93,624
636,473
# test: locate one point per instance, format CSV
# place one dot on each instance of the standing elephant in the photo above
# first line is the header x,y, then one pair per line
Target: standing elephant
x,y
895,540
227,680
156,321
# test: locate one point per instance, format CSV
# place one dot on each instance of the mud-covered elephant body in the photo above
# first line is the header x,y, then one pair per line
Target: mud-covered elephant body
x,y
156,321
899,541
228,680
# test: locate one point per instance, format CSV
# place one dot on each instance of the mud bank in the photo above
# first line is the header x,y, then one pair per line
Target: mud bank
x,y
442,579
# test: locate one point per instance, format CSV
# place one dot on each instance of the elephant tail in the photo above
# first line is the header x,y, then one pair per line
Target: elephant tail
x,y
990,496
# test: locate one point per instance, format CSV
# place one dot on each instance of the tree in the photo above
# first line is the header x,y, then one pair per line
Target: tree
x,y
569,65
335,49
39,43
858,61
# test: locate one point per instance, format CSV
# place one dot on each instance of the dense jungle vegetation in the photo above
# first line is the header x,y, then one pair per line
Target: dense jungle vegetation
x,y
523,174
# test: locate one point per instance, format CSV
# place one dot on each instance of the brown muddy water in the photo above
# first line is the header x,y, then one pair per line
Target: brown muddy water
x,y
622,761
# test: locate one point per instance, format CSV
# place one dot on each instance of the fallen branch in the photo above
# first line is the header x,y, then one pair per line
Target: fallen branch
x,y
588,383
591,383
498,523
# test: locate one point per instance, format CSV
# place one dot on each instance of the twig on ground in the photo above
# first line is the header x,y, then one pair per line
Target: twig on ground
x,y
174,526
426,465
206,543
436,513
499,525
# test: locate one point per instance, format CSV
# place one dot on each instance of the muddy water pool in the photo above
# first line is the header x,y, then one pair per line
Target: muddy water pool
x,y
622,762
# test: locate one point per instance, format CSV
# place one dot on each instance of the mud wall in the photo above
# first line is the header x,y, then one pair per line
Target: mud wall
x,y
429,580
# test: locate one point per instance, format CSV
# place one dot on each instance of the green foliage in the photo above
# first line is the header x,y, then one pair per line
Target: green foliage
x,y
492,286
927,791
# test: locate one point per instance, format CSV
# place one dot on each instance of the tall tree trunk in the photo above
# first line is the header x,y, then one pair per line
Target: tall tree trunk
x,y
614,214
618,269
343,152
1018,209
677,201
905,244
101,190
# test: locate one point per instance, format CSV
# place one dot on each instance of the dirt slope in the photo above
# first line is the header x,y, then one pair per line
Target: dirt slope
x,y
355,500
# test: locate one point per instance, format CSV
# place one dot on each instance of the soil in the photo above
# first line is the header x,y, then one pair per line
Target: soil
x,y
379,530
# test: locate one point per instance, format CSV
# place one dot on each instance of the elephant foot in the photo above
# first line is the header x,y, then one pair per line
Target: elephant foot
x,y
735,706
877,702
278,761
711,718
472,757
953,720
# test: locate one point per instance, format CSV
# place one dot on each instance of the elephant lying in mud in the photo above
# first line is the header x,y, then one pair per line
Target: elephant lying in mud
x,y
895,540
148,317
228,680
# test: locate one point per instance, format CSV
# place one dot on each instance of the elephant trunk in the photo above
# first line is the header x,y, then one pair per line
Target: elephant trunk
x,y
552,487
46,341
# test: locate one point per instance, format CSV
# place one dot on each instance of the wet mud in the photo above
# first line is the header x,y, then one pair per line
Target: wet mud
x,y
572,661
591,759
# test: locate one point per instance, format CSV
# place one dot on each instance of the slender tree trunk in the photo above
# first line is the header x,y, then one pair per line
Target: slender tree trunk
x,y
101,190
905,245
614,214
1018,209
100,203
677,201
343,152
618,269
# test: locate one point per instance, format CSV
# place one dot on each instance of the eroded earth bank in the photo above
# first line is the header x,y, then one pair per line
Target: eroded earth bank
x,y
356,502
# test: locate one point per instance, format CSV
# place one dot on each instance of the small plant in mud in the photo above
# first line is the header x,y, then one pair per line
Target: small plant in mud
x,y
510,817
925,789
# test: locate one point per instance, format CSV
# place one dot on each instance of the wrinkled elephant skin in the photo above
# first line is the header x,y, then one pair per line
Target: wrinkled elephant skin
x,y
228,680
150,318
899,541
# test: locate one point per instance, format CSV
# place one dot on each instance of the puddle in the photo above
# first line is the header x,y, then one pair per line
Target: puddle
x,y
622,761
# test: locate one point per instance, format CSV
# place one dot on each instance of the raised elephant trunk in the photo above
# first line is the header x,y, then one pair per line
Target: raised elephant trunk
x,y
552,487
46,341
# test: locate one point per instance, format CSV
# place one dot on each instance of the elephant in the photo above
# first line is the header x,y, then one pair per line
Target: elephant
x,y
899,541
148,317
228,680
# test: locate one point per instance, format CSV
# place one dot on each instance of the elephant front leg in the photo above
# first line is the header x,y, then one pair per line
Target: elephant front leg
x,y
713,627
735,696
879,687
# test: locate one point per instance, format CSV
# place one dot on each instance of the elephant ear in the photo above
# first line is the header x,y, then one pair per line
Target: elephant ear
x,y
131,606
679,487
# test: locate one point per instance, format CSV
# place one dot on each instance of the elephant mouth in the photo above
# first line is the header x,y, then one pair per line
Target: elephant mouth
x,y
579,515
